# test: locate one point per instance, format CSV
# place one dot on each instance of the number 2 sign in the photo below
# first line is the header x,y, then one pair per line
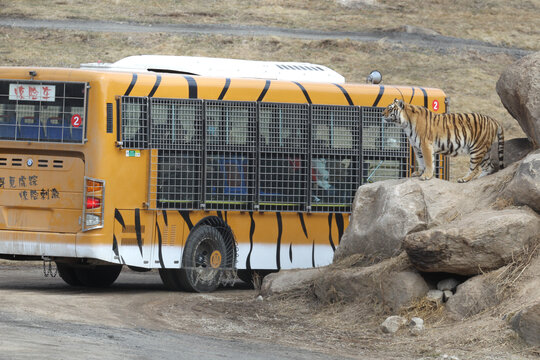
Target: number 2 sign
x,y
76,120
435,105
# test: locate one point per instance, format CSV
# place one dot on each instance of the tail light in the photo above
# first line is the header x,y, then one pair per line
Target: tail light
x,y
92,202
93,209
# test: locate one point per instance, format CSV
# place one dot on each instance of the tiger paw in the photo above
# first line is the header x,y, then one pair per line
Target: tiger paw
x,y
462,180
425,177
416,174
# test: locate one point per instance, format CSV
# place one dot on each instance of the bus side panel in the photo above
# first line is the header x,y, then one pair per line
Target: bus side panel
x,y
130,244
274,240
168,240
133,231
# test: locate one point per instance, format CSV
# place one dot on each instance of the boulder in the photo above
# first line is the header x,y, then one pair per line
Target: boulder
x,y
416,325
483,241
352,284
447,284
514,150
435,296
402,288
447,294
286,281
472,297
393,324
527,324
519,90
383,214
524,189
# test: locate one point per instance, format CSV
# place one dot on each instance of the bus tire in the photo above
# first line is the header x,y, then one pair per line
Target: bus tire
x,y
67,273
203,260
169,277
98,276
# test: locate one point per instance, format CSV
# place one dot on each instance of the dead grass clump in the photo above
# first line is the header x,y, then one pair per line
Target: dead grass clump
x,y
428,310
508,278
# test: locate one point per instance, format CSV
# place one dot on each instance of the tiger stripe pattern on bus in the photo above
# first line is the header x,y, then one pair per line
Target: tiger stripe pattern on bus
x,y
448,134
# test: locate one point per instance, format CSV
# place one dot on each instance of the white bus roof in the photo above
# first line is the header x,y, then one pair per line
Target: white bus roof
x,y
218,67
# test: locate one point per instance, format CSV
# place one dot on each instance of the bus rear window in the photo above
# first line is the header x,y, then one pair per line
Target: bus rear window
x,y
41,111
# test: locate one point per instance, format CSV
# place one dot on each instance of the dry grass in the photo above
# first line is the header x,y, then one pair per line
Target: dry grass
x,y
430,311
508,278
481,20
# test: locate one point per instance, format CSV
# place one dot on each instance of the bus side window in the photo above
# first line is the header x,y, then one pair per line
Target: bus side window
x,y
8,126
28,128
134,116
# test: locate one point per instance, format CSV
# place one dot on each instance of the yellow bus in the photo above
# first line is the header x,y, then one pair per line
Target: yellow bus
x,y
202,168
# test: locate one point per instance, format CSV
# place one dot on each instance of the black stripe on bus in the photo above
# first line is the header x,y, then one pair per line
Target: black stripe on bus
x,y
119,218
131,85
410,101
308,99
278,245
425,97
138,229
340,225
192,87
290,252
330,232
349,100
225,88
379,96
265,90
185,216
251,232
302,222
165,220
313,254
156,85
115,245
160,247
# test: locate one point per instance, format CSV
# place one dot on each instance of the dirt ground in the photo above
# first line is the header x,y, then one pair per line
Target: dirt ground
x,y
138,318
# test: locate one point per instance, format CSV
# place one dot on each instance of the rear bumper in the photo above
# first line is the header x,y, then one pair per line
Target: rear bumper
x,y
37,243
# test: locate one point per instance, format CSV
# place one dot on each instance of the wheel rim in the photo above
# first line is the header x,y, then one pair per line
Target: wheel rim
x,y
207,260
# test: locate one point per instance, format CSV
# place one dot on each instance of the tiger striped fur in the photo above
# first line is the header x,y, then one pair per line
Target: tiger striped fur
x,y
448,134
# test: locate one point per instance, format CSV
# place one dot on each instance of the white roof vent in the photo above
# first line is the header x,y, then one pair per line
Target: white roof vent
x,y
217,67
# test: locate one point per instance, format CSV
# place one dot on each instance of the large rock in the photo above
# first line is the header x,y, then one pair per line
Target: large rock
x,y
484,240
384,213
527,324
472,297
514,150
286,281
378,281
519,90
524,189
401,288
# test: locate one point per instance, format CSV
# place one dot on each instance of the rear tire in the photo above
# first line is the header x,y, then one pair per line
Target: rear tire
x,y
98,276
67,273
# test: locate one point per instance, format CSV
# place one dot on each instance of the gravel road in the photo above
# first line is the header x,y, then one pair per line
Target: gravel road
x,y
405,36
134,319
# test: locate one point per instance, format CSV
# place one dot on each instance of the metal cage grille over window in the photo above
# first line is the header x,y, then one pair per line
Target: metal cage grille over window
x,y
254,156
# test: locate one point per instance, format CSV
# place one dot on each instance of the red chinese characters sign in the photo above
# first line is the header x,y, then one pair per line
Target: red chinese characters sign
x,y
30,92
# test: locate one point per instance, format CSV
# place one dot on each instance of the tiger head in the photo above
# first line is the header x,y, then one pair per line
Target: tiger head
x,y
392,113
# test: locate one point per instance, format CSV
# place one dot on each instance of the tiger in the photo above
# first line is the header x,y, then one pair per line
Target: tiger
x,y
448,134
